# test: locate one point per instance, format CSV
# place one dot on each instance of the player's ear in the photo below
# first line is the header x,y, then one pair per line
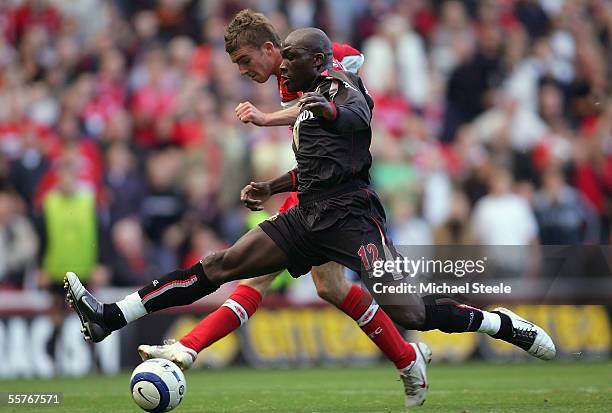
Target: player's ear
x,y
268,48
318,59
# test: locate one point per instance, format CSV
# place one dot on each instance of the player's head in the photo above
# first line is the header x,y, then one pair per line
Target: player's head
x,y
253,44
306,53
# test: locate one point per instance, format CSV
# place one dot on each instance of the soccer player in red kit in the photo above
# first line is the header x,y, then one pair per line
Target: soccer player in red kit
x,y
255,48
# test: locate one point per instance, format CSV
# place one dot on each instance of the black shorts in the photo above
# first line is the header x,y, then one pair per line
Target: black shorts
x,y
348,229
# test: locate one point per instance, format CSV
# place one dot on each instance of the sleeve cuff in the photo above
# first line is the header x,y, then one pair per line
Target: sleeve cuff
x,y
293,180
335,110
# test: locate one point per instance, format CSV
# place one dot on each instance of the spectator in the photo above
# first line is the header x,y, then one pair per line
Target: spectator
x,y
472,83
124,183
28,169
455,230
564,217
410,227
18,242
397,54
70,225
133,260
163,205
518,226
139,100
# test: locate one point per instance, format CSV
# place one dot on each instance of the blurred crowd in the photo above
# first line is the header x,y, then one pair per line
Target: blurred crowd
x,y
121,155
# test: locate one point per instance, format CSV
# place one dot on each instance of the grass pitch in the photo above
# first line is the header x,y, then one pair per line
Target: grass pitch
x,y
462,388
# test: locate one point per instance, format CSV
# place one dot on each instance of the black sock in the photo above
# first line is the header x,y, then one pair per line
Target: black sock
x,y
505,328
445,314
180,287
113,317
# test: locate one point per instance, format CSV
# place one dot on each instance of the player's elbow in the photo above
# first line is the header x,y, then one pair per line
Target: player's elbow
x,y
349,121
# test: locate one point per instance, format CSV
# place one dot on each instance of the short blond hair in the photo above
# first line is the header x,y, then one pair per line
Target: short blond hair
x,y
249,28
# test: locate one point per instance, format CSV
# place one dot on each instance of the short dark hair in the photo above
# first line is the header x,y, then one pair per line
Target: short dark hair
x,y
249,28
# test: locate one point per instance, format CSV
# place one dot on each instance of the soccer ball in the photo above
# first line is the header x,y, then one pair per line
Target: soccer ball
x,y
158,385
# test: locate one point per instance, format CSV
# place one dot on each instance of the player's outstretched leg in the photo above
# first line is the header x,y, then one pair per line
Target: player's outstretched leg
x,y
358,304
443,313
235,312
89,310
252,255
524,334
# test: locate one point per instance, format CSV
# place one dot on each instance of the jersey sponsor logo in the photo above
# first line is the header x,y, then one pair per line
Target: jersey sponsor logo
x,y
303,116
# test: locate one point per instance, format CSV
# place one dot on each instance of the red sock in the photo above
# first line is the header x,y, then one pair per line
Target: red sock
x,y
361,307
232,314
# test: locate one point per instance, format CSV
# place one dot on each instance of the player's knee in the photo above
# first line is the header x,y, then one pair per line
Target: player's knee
x,y
332,290
331,284
219,266
411,317
261,284
415,319
326,292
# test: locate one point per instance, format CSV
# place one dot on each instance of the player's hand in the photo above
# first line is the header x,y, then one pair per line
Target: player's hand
x,y
255,194
248,113
318,105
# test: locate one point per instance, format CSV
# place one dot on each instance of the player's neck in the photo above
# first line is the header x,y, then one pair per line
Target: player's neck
x,y
277,65
317,79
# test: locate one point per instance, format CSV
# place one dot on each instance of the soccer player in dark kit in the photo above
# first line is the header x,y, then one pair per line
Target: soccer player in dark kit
x,y
337,215
254,46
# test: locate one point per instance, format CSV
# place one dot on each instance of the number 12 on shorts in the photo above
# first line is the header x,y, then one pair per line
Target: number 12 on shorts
x,y
368,254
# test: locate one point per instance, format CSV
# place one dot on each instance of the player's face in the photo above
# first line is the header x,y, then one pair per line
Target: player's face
x,y
255,63
298,68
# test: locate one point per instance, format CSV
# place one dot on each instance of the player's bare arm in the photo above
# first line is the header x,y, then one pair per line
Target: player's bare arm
x,y
249,113
255,194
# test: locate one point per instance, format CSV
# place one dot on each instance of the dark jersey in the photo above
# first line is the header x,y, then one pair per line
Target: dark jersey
x,y
332,154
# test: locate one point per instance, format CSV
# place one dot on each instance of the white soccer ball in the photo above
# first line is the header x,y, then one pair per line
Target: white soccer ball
x,y
158,385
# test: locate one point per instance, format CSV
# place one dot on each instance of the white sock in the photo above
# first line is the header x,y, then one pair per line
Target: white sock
x,y
131,307
491,323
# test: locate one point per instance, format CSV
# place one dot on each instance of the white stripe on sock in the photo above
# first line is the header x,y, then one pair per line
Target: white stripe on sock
x,y
491,323
238,309
368,315
132,307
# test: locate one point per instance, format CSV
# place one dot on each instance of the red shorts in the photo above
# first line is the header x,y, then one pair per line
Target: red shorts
x,y
290,202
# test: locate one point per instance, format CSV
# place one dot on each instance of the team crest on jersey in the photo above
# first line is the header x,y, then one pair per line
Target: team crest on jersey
x,y
305,115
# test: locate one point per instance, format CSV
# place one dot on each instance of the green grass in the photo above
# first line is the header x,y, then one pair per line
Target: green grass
x,y
463,388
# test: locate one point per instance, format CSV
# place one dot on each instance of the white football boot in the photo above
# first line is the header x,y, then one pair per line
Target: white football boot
x,y
528,336
171,350
414,376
